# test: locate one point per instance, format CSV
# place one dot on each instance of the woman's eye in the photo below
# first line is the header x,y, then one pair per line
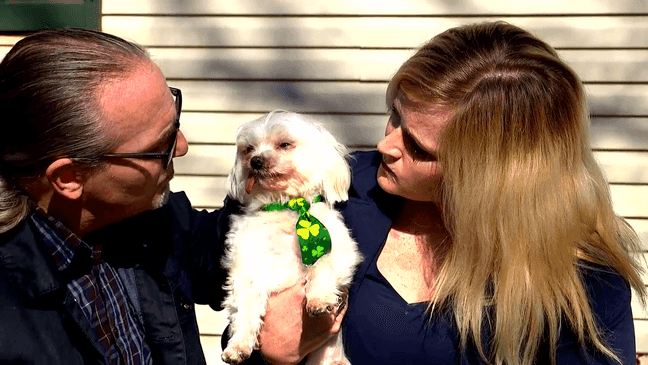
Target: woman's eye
x,y
394,117
418,152
425,156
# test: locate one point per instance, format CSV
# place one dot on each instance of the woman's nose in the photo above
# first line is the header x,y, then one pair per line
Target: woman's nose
x,y
391,144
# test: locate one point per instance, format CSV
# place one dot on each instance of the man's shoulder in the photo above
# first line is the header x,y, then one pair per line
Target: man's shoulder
x,y
18,247
178,201
185,217
26,272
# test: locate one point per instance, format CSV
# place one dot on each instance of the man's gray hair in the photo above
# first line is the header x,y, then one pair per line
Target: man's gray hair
x,y
50,83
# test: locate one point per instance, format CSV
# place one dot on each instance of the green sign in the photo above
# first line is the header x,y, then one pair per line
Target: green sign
x,y
29,15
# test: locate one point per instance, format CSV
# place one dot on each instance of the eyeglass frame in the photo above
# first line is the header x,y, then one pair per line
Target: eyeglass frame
x,y
168,155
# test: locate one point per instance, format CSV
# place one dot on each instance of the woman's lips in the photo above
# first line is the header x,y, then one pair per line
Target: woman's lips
x,y
384,166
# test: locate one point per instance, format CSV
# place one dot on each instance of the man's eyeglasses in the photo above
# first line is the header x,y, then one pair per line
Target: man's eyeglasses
x,y
166,156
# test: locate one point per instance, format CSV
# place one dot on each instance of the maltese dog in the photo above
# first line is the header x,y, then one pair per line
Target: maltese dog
x,y
288,174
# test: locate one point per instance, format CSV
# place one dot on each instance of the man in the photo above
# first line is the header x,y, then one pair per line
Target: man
x,y
90,128
99,263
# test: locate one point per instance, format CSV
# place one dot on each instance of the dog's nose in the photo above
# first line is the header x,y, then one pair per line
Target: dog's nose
x,y
256,162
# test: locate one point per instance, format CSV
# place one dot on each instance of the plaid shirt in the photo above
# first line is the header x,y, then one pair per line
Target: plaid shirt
x,y
101,291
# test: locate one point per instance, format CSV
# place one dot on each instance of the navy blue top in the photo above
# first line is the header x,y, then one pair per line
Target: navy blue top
x,y
380,327
378,308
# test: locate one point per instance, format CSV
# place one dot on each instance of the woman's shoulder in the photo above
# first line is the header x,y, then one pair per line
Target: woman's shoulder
x,y
609,293
364,167
364,162
601,280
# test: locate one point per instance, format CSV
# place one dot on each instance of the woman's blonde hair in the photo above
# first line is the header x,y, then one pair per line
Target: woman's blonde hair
x,y
525,201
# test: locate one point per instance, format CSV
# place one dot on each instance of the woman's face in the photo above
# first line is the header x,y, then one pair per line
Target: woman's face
x,y
409,167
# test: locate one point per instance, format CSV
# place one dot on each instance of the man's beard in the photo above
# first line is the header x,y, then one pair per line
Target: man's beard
x,y
159,201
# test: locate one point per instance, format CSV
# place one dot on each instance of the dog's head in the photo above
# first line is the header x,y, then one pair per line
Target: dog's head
x,y
284,155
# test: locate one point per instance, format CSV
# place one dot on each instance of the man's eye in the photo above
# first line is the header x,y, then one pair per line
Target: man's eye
x,y
166,146
159,148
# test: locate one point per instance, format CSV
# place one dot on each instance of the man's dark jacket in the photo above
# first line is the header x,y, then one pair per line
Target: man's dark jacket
x,y
175,254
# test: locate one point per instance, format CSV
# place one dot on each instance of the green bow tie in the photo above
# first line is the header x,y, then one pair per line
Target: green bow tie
x,y
314,238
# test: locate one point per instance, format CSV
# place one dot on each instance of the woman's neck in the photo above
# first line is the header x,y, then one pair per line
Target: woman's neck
x,y
419,218
414,250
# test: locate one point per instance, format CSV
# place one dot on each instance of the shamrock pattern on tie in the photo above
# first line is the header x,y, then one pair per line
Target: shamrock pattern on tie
x,y
314,238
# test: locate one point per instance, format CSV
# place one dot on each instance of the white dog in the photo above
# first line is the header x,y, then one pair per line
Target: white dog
x,y
280,158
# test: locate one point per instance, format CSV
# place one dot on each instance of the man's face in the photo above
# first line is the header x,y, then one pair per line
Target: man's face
x,y
139,113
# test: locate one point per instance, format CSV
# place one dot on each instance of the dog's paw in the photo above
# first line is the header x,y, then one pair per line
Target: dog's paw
x,y
316,307
236,354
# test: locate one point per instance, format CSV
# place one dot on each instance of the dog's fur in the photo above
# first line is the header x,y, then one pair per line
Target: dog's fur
x,y
279,157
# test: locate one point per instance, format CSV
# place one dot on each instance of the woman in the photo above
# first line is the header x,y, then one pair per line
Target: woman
x,y
485,221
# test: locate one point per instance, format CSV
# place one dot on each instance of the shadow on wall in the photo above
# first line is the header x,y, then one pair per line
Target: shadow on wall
x,y
283,77
284,83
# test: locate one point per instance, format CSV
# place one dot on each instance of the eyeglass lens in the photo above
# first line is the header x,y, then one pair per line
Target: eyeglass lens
x,y
177,98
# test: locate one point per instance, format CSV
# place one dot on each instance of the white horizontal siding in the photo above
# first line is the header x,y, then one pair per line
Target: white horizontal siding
x,y
219,128
360,64
641,334
217,160
364,7
640,225
626,65
365,32
608,133
359,97
209,192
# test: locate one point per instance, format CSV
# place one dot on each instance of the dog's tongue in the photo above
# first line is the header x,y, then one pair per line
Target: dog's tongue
x,y
249,183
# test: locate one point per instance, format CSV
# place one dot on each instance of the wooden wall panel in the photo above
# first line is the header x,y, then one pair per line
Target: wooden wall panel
x,y
364,32
364,7
209,192
360,64
217,160
220,127
360,97
641,335
640,225
608,133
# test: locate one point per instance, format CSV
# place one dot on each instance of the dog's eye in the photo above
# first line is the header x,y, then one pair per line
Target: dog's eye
x,y
249,149
285,144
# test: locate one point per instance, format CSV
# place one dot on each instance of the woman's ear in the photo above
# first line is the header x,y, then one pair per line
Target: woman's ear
x,y
65,177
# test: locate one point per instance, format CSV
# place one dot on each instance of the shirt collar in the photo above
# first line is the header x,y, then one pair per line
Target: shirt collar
x,y
62,243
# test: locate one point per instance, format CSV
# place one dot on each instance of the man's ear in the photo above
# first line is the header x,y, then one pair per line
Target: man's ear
x,y
66,178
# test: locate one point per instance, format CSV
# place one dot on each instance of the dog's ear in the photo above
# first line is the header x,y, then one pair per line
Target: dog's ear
x,y
236,181
337,177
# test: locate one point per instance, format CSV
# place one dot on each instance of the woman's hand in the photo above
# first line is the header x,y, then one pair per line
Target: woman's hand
x,y
288,333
